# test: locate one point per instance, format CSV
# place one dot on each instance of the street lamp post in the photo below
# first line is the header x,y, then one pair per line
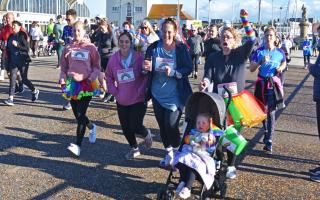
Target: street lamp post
x,y
209,10
259,20
272,19
196,11
280,18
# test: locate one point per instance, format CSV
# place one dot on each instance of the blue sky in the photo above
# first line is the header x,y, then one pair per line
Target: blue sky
x,y
221,9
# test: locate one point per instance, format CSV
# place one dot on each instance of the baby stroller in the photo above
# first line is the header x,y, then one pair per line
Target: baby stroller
x,y
201,102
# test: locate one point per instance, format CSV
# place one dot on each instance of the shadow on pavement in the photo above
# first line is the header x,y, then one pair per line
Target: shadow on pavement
x,y
95,178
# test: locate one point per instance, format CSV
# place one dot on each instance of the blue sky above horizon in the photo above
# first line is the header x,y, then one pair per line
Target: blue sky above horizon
x,y
229,11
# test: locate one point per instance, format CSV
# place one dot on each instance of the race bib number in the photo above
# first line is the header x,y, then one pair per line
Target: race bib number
x,y
125,75
80,55
161,63
232,87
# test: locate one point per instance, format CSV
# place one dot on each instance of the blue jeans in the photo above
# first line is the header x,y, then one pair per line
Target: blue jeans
x,y
168,122
269,123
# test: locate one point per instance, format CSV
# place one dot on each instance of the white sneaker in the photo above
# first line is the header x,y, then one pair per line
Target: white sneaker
x,y
75,149
67,106
148,140
180,186
149,104
231,172
167,160
1,75
184,193
93,134
133,153
218,164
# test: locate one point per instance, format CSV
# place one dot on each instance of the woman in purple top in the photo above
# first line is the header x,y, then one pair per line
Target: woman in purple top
x,y
127,84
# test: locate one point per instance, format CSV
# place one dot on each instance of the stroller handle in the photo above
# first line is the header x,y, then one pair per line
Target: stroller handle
x,y
229,95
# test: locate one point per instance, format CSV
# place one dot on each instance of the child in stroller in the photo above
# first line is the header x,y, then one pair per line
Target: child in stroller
x,y
203,110
195,159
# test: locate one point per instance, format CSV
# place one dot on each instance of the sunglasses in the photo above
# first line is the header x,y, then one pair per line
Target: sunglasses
x,y
143,27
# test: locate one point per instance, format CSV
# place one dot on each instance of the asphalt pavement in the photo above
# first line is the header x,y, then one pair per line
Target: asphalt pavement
x,y
34,162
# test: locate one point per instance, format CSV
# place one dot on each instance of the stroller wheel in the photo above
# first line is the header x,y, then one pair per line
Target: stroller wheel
x,y
169,195
161,194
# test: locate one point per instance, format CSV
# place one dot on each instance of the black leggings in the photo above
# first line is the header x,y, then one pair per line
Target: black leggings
x,y
168,122
79,108
231,158
131,120
306,59
187,175
24,75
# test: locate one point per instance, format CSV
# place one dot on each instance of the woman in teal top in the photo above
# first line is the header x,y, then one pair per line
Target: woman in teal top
x,y
57,31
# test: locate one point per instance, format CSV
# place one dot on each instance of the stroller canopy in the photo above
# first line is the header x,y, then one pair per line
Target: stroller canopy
x,y
205,102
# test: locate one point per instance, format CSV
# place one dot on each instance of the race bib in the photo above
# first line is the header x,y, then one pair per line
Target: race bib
x,y
125,75
232,87
161,63
80,55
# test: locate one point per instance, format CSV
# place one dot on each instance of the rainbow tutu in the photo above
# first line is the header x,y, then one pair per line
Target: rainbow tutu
x,y
74,90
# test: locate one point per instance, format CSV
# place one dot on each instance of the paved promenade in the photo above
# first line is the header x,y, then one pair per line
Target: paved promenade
x,y
34,162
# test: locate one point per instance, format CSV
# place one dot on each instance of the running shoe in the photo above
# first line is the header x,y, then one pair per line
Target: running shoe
x,y
9,102
93,134
35,95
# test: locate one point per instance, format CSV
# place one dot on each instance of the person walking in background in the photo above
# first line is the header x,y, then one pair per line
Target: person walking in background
x,y
6,31
212,42
2,70
123,76
307,51
169,64
315,72
67,37
58,32
146,37
80,66
18,52
50,27
194,42
35,34
106,43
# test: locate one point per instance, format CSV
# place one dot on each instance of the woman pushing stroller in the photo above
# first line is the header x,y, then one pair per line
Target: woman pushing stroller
x,y
229,65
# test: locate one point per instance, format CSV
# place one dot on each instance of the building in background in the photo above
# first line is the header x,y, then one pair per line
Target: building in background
x,y
27,11
135,11
160,11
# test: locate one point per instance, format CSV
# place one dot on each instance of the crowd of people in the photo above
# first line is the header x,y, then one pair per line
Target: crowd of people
x,y
153,63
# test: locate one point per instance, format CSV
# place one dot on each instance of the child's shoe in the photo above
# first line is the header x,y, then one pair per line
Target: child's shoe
x,y
184,193
231,172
